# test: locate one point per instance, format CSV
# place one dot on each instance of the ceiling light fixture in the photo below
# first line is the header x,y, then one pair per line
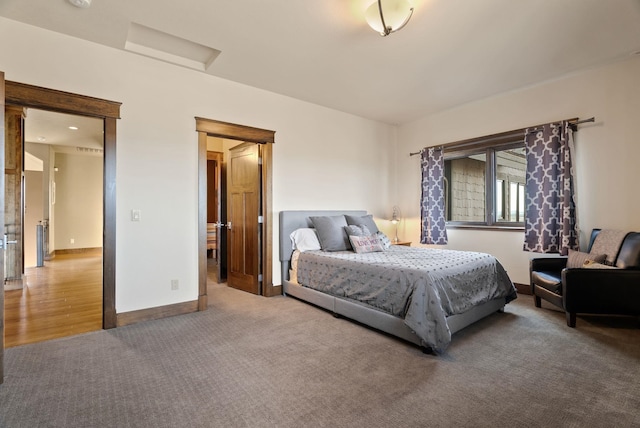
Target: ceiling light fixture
x,y
73,128
390,17
81,3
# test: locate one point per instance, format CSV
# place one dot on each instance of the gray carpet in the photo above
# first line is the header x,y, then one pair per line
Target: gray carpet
x,y
251,361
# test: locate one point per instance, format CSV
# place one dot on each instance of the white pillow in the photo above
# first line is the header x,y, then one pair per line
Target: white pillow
x,y
305,239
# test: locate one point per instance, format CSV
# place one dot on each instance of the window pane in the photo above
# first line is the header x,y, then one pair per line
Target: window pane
x,y
510,169
521,202
466,193
499,200
513,201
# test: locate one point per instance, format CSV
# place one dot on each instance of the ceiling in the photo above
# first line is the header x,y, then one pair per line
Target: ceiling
x,y
46,127
322,51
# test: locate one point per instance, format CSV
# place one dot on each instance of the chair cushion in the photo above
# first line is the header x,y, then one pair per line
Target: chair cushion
x,y
548,280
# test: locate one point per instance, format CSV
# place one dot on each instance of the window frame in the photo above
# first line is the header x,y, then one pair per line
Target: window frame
x,y
488,146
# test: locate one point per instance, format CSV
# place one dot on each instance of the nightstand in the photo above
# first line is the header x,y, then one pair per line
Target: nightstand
x,y
405,243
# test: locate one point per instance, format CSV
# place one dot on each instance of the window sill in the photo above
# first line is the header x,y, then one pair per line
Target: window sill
x,y
485,227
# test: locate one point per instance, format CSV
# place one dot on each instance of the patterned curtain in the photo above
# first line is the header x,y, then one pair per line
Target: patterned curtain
x,y
434,230
550,219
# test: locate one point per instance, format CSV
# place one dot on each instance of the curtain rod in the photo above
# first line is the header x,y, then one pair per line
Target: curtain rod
x,y
578,122
417,153
572,122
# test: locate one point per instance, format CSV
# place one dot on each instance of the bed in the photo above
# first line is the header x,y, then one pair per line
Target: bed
x,y
430,282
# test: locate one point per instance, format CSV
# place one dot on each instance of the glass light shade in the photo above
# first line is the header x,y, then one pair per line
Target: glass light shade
x,y
396,15
81,3
395,215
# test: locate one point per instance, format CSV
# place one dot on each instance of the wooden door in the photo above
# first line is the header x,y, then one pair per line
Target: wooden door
x,y
244,217
13,195
2,227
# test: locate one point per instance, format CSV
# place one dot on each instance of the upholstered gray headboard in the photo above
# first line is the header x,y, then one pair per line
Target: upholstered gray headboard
x,y
292,220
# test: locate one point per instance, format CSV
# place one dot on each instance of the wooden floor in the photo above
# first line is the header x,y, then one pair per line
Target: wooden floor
x,y
63,298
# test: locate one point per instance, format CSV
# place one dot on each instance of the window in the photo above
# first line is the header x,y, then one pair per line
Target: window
x,y
485,181
511,167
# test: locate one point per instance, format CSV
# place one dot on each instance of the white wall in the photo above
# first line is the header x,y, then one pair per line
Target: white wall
x,y
78,207
607,152
322,159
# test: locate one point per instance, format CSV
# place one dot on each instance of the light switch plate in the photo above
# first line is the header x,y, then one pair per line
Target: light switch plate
x,y
135,215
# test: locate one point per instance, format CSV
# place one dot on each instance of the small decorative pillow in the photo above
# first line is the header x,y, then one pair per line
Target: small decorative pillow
x,y
366,244
577,259
384,239
590,264
366,220
304,239
357,230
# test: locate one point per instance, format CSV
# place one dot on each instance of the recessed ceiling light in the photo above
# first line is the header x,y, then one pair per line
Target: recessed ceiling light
x,y
42,139
81,3
73,128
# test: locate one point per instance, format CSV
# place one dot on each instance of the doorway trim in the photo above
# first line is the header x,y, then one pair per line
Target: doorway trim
x,y
215,128
23,95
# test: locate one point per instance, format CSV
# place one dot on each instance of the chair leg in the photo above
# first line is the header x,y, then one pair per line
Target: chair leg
x,y
537,301
571,319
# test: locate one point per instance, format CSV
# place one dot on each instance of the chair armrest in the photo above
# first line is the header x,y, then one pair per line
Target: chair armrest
x,y
548,264
601,290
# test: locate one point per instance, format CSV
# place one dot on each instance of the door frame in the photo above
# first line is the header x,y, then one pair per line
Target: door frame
x,y
215,128
23,95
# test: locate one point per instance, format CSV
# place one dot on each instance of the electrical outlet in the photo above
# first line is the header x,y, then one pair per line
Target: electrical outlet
x,y
175,284
72,241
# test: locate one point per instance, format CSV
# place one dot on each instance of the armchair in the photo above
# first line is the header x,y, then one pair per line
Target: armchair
x,y
589,290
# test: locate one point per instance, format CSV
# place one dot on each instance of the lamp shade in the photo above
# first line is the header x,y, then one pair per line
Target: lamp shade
x,y
395,216
396,14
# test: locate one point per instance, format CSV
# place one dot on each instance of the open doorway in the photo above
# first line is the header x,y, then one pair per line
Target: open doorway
x,y
216,262
206,129
60,288
233,164
14,94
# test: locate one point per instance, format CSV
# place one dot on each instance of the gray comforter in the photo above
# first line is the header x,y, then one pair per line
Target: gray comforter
x,y
421,285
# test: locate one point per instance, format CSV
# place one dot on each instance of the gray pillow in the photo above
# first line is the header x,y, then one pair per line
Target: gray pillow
x,y
366,220
331,233
353,230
